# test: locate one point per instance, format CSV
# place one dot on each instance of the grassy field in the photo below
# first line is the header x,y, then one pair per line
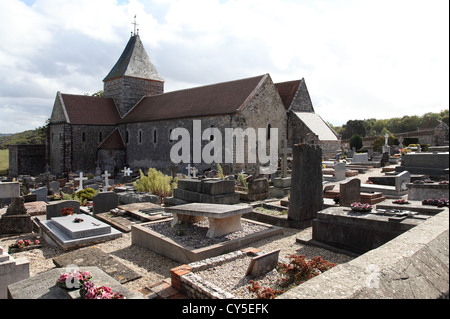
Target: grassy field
x,y
4,162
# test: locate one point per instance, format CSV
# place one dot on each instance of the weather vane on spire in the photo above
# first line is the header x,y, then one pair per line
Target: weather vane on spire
x,y
135,24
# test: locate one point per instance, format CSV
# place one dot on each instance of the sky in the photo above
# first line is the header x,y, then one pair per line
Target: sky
x,y
360,58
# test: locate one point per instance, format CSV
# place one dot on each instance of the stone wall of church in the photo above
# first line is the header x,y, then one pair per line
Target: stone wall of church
x,y
74,147
127,91
148,144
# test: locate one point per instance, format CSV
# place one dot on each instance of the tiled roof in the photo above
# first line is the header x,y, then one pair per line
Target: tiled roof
x,y
90,110
287,91
217,99
113,141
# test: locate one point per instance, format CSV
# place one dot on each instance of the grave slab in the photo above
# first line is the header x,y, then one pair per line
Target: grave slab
x,y
58,231
92,256
43,285
358,232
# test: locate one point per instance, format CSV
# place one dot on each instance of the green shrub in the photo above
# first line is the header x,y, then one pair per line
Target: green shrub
x,y
244,183
156,183
85,195
356,142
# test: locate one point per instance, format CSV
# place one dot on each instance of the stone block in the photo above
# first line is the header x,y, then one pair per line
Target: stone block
x,y
9,189
104,202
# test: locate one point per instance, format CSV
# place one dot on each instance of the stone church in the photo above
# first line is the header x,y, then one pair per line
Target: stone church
x,y
131,125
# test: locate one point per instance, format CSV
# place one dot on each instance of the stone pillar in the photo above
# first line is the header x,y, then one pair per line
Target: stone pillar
x,y
306,184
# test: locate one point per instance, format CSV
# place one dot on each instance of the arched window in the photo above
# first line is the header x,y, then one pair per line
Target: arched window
x,y
268,131
127,137
83,136
154,136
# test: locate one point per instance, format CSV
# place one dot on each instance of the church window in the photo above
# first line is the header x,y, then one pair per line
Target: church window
x,y
140,136
154,136
211,137
268,131
83,136
127,137
100,136
170,133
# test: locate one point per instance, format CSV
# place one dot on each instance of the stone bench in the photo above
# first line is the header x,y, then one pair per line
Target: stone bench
x,y
223,219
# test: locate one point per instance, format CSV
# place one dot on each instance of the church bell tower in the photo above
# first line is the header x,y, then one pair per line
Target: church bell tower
x,y
132,77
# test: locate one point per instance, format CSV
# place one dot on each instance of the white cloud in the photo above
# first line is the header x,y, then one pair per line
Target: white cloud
x,y
360,59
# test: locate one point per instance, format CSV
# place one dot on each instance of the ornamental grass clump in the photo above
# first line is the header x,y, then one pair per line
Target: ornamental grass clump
x,y
156,183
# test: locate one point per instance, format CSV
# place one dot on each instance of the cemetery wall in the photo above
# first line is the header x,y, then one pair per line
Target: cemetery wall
x,y
26,159
127,91
413,265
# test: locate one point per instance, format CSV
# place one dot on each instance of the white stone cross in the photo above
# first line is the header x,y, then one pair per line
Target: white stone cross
x,y
189,170
386,137
106,175
284,151
194,171
127,171
81,179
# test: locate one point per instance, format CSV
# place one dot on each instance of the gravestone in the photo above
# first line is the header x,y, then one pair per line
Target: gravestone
x,y
360,158
54,208
55,186
106,179
263,263
9,190
350,192
41,194
306,186
16,220
104,202
81,179
11,270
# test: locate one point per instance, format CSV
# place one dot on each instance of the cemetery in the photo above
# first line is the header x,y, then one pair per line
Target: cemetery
x,y
231,236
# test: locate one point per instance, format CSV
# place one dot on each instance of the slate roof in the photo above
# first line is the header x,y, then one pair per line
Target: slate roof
x,y
113,141
317,125
210,100
134,62
287,91
90,110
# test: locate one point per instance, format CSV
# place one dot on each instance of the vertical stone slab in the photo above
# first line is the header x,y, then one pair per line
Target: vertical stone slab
x,y
350,192
306,183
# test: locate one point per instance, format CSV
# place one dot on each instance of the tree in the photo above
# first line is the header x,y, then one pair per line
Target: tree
x,y
356,142
354,127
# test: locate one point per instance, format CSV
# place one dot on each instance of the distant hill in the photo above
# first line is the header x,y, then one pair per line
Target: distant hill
x,y
36,136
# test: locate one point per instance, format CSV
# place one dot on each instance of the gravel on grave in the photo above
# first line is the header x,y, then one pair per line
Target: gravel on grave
x,y
231,277
194,235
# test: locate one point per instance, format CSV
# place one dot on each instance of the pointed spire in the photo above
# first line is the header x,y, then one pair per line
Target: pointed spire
x,y
134,62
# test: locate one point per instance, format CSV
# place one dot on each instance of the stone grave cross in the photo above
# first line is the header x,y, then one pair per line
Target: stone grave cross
x,y
189,170
284,151
386,137
81,179
127,171
173,168
194,171
106,175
